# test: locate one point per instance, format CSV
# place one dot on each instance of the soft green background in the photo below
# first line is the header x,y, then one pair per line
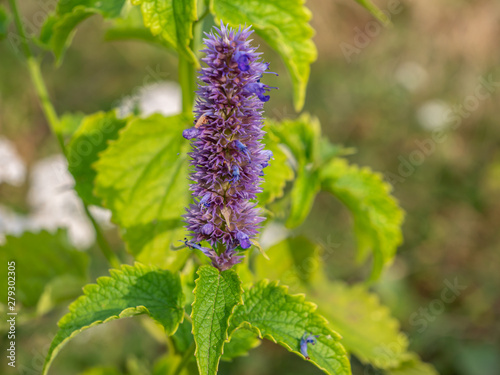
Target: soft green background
x,y
452,198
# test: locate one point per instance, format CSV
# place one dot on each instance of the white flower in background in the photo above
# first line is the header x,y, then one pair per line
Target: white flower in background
x,y
411,75
432,115
54,203
12,168
160,97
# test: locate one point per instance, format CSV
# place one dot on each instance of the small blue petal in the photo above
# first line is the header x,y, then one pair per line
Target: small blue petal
x,y
269,156
241,147
236,174
307,339
204,200
244,240
243,61
190,133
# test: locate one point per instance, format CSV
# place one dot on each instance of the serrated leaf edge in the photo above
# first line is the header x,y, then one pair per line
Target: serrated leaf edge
x,y
226,339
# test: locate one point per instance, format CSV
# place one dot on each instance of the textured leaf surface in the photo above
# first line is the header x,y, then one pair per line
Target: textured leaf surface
x,y
173,21
368,330
58,29
88,141
283,318
276,174
284,25
41,259
377,216
127,292
142,177
216,295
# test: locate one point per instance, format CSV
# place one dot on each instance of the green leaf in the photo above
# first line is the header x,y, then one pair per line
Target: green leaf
x,y
274,314
142,177
240,343
131,26
294,261
276,174
377,216
304,191
59,28
4,22
49,257
302,136
284,25
129,291
368,330
375,11
216,296
68,123
88,141
173,21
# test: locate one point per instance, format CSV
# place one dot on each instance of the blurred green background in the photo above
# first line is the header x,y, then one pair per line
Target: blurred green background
x,y
411,99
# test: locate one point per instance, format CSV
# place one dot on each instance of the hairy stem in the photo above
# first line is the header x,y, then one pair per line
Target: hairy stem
x,y
53,120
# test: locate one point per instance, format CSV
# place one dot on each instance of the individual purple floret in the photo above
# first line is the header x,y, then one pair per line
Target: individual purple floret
x,y
227,153
307,339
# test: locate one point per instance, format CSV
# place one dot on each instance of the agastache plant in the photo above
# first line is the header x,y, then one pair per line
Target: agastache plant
x,y
135,166
227,155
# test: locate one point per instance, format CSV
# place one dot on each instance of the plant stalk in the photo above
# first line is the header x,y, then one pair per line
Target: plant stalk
x,y
53,120
188,354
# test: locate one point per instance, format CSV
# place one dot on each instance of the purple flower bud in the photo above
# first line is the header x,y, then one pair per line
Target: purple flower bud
x,y
230,96
244,240
191,133
259,89
207,228
243,61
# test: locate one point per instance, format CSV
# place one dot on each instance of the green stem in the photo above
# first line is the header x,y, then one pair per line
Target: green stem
x,y
53,120
187,82
47,108
101,240
188,354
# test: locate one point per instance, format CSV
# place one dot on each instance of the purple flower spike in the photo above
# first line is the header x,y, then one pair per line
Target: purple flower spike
x,y
227,155
190,133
